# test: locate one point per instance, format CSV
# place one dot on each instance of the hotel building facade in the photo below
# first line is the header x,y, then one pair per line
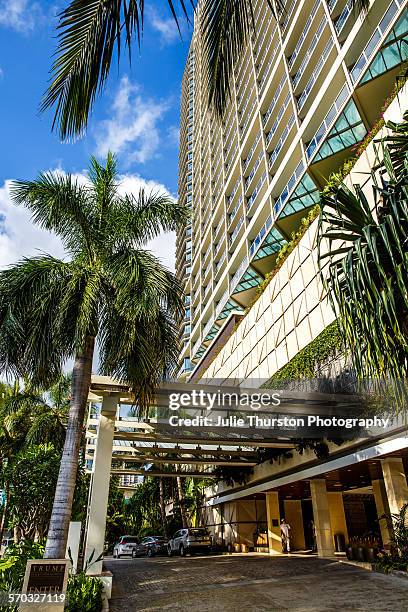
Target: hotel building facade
x,y
305,90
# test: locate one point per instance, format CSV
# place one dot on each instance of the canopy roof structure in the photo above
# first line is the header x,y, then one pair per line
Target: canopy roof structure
x,y
194,447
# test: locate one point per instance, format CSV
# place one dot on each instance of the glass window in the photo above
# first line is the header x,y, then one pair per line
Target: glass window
x,y
348,130
393,52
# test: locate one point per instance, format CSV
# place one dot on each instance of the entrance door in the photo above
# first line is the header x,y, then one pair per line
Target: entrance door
x,y
307,512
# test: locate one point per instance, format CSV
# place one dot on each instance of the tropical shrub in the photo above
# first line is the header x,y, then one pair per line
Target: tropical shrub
x,y
368,273
13,566
84,593
397,558
32,477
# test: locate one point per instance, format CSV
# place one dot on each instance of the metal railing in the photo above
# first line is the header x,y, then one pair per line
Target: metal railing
x,y
327,121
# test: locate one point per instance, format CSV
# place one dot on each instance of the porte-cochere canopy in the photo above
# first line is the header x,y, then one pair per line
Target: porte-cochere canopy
x,y
194,428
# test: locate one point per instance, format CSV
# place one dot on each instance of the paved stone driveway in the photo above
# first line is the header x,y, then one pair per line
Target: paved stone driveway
x,y
238,583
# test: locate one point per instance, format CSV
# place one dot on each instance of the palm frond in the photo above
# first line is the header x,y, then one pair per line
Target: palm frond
x,y
58,203
139,337
224,26
141,218
33,339
89,32
367,275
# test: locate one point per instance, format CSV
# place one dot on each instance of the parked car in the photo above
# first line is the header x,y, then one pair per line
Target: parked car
x,y
150,546
184,541
124,546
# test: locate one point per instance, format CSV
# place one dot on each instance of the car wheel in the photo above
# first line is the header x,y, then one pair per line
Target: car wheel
x,y
169,551
149,552
182,551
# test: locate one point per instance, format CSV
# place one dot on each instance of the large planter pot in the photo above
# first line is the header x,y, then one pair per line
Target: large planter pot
x,y
237,548
244,548
359,553
349,553
371,553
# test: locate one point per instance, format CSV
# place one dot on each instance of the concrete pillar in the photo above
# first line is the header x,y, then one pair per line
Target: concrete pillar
x,y
273,519
321,516
100,483
337,514
74,538
381,503
294,516
395,483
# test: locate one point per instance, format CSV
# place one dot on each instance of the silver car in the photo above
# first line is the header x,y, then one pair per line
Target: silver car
x,y
124,546
189,541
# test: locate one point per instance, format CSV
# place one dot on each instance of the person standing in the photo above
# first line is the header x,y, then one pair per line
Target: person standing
x,y
285,535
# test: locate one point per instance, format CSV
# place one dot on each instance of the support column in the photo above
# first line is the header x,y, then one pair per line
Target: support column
x,y
381,503
395,483
321,516
294,516
273,519
337,515
74,539
98,507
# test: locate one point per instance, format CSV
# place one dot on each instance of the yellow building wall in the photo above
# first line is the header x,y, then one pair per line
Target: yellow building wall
x,y
294,516
337,515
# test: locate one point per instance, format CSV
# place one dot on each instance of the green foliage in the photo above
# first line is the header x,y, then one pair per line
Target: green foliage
x,y
142,512
109,286
84,594
13,565
397,557
368,274
304,365
79,507
32,477
234,475
115,522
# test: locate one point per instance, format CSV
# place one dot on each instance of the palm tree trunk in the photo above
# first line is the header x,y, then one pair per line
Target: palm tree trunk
x,y
182,503
162,507
64,492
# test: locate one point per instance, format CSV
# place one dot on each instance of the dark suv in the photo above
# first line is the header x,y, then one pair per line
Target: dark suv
x,y
150,546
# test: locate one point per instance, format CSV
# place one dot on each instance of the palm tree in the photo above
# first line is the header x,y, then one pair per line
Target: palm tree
x,y
37,416
162,506
367,274
90,32
182,501
109,290
29,417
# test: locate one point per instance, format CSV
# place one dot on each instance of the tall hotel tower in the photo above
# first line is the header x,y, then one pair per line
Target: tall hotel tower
x,y
305,90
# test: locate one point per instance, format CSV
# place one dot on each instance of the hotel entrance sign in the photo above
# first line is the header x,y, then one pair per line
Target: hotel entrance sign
x,y
45,585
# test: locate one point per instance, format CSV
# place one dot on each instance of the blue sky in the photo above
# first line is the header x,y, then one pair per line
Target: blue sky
x,y
137,117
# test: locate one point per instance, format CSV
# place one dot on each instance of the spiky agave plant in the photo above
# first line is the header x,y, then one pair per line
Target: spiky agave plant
x,y
367,275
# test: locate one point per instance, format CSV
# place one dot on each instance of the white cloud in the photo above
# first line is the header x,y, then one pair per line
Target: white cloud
x,y
166,27
133,128
173,133
19,237
20,15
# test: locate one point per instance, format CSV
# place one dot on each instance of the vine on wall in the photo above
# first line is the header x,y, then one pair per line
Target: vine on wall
x,y
305,363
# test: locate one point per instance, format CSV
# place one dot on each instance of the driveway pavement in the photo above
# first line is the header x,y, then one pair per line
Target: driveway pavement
x,y
238,583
